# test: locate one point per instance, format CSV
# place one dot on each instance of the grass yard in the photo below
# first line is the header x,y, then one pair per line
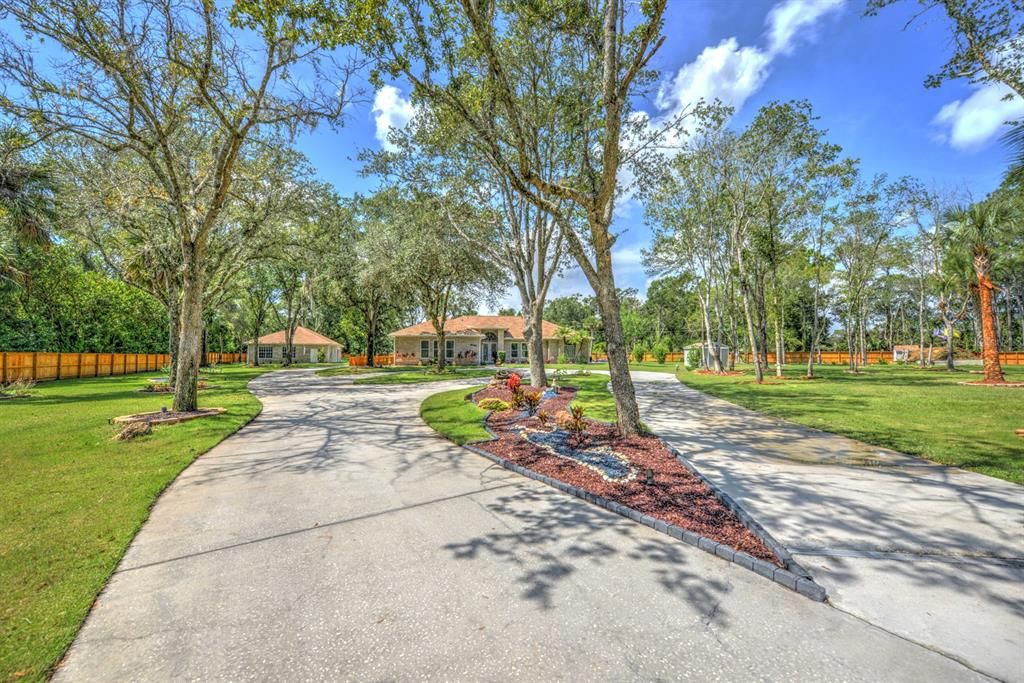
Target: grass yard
x,y
455,418
423,375
921,412
73,498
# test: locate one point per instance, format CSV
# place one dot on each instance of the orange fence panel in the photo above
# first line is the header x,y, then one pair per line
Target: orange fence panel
x,y
44,365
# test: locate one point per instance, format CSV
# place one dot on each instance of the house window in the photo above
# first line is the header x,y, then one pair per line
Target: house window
x,y
449,349
515,349
424,349
265,353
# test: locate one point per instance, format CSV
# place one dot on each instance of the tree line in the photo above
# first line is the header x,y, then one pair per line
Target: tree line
x,y
168,130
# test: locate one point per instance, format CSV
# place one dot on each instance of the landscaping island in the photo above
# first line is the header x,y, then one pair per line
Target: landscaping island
x,y
550,433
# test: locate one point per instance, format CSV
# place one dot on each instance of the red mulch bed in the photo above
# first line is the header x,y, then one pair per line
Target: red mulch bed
x,y
676,495
723,373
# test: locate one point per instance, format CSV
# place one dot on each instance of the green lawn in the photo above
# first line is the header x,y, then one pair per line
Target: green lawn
x,y
451,415
921,412
423,375
73,498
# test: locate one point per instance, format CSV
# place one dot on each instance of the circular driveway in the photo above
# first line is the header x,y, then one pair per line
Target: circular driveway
x,y
336,537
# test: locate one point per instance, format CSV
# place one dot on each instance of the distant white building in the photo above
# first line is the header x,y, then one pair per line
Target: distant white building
x,y
708,352
307,346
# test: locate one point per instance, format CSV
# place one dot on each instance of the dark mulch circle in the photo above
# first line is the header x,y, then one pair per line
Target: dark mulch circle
x,y
662,486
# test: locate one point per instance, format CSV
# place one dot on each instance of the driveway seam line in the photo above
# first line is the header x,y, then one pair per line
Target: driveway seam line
x,y
296,532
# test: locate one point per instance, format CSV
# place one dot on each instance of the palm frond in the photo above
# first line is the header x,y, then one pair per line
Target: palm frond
x,y
1014,140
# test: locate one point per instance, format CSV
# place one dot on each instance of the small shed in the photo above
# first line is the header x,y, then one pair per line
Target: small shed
x,y
708,352
906,353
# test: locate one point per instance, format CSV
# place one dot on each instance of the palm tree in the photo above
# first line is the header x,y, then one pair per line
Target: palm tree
x,y
978,227
26,200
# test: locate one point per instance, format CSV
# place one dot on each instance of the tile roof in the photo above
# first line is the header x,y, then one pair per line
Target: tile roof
x,y
475,324
302,335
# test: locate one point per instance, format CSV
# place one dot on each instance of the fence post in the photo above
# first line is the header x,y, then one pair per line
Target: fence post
x,y
59,356
35,364
3,367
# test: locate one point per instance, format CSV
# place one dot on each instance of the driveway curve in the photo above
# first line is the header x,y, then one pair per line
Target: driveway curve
x,y
336,537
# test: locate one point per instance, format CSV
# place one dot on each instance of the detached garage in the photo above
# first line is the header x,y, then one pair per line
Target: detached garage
x,y
307,347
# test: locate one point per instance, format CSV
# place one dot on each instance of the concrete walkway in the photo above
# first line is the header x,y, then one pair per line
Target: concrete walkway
x,y
934,554
337,538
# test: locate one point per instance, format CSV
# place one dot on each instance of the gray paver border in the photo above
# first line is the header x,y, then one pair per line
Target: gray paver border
x,y
798,580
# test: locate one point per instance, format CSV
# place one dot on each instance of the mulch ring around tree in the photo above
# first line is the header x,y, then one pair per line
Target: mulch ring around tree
x,y
639,472
985,383
167,417
165,388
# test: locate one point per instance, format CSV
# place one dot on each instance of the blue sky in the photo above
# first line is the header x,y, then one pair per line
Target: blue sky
x,y
863,75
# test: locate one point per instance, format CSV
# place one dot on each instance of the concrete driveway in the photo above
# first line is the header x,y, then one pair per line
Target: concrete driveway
x,y
337,538
934,554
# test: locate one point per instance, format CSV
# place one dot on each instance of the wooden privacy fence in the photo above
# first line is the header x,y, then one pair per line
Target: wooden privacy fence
x,y
42,366
378,359
671,357
823,357
843,357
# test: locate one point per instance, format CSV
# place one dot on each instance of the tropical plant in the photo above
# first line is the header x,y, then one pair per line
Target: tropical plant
x,y
492,403
532,401
978,228
513,382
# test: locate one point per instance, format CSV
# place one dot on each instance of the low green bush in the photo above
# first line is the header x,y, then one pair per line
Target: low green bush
x,y
660,351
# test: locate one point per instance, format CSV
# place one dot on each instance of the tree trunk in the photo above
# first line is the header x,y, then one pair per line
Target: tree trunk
x,y
990,338
371,339
920,327
442,357
780,349
950,365
187,372
173,335
618,362
533,331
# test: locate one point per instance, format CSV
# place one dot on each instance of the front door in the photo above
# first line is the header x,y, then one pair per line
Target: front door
x,y
488,352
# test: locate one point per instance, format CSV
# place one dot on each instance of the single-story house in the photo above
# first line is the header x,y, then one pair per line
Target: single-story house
x,y
476,340
307,347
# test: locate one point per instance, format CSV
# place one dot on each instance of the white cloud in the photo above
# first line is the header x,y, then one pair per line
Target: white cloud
x,y
789,19
970,123
390,110
726,71
731,72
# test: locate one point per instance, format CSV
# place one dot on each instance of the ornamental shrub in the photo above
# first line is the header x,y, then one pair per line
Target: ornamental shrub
x,y
501,357
638,352
532,400
576,425
660,351
493,404
693,359
514,382
518,398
